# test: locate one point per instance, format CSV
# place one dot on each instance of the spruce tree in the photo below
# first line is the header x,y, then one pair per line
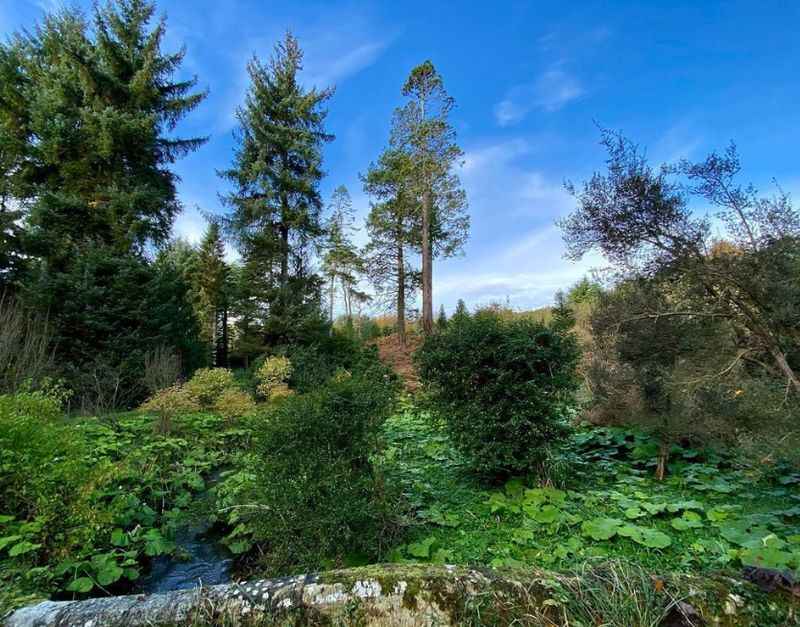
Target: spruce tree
x,y
88,112
210,283
441,320
563,315
461,312
422,129
276,200
101,174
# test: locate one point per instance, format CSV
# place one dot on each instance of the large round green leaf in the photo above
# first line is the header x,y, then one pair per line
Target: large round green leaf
x,y
653,539
601,528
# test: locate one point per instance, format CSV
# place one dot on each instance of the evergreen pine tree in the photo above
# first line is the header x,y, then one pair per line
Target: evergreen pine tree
x,y
441,320
276,201
88,115
102,173
563,316
422,129
210,283
461,312
394,233
342,264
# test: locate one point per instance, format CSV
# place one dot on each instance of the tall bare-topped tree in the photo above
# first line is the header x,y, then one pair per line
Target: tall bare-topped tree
x,y
393,228
276,202
422,129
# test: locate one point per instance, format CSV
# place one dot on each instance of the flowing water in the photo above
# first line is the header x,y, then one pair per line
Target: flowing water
x,y
200,559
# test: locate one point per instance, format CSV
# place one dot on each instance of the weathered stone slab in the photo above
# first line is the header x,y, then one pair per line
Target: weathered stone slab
x,y
405,596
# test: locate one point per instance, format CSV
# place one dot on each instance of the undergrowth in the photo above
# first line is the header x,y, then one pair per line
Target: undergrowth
x,y
708,515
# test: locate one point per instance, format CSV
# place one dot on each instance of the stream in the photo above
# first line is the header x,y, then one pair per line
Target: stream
x,y
200,559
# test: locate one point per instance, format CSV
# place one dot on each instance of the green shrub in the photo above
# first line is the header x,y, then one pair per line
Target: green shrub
x,y
47,510
272,376
501,386
233,404
36,453
170,402
208,384
319,501
314,364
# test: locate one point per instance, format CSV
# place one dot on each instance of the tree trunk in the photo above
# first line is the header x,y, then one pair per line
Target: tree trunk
x,y
427,265
663,457
401,296
222,358
786,369
332,295
214,331
284,230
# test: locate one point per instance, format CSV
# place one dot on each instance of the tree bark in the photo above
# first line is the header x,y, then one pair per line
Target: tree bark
x,y
331,297
663,458
785,368
427,265
401,295
223,347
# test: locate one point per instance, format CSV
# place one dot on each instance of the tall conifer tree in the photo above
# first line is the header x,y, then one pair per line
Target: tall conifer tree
x,y
276,202
88,110
211,293
342,264
423,130
101,174
393,228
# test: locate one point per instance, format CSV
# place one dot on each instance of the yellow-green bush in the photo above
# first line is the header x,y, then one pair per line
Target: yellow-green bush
x,y
233,404
208,384
272,377
171,402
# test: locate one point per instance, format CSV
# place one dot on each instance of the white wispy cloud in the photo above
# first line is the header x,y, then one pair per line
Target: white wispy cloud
x,y
328,66
679,141
330,56
517,251
551,91
498,175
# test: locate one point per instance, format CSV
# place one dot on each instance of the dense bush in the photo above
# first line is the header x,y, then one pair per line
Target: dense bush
x,y
683,378
272,375
36,453
103,328
208,384
501,386
319,501
233,404
314,363
169,403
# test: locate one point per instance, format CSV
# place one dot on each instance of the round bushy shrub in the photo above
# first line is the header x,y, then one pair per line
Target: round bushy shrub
x,y
169,403
233,404
208,384
318,499
272,376
501,386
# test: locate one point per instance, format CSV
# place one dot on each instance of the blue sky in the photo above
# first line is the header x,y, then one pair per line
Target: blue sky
x,y
530,79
